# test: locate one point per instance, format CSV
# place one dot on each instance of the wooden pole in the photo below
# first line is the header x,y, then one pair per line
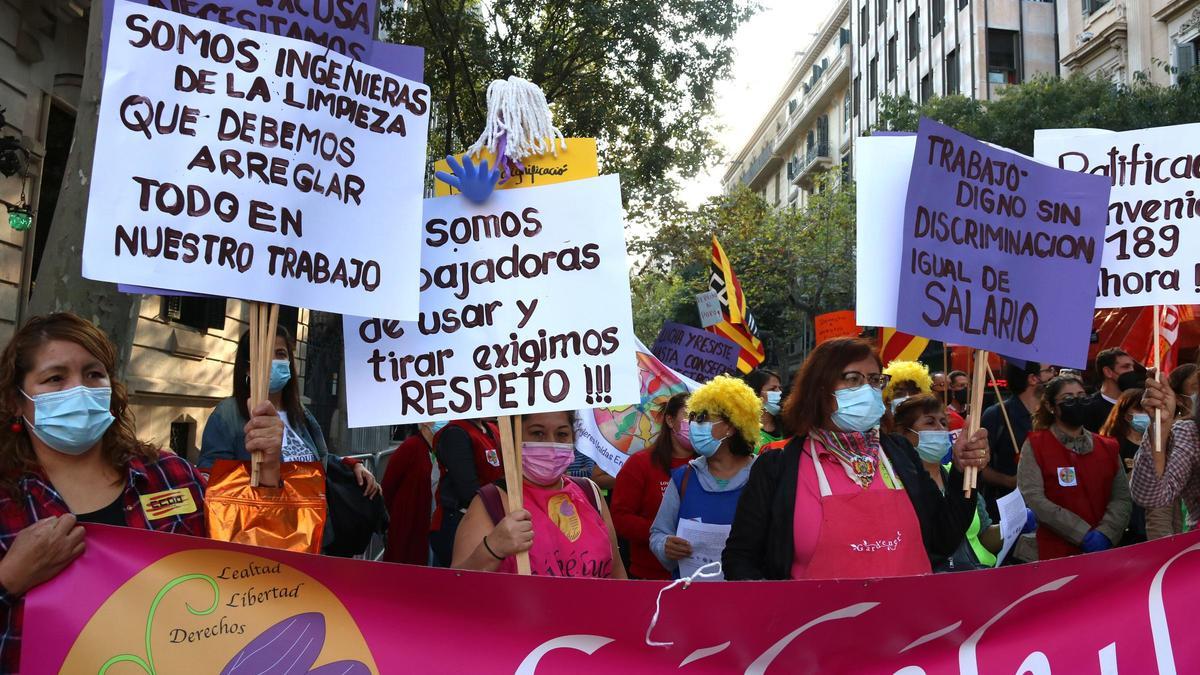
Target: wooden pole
x,y
510,451
978,382
264,323
1157,374
1012,435
946,374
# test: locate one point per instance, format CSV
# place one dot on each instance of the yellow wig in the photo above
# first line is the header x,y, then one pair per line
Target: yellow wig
x,y
732,399
907,371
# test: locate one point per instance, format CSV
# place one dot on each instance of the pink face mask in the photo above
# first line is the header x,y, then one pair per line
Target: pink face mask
x,y
681,434
544,463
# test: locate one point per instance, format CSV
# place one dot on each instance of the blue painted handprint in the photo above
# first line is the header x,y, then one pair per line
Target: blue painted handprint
x,y
475,183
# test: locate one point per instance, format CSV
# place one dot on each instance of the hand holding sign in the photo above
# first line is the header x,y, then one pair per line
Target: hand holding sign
x,y
475,183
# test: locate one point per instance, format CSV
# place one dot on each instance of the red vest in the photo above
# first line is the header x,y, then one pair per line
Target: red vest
x,y
1088,498
489,467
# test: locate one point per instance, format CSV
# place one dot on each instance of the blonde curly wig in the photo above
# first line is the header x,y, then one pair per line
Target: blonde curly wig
x,y
907,371
732,399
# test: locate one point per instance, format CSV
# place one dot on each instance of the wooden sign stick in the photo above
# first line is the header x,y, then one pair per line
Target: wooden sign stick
x,y
264,322
510,451
1157,375
978,383
1012,436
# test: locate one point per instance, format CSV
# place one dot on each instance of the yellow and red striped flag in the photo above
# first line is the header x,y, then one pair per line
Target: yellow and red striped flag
x,y
897,346
738,324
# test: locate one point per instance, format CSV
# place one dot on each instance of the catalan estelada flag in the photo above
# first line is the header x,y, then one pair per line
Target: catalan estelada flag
x,y
897,346
738,324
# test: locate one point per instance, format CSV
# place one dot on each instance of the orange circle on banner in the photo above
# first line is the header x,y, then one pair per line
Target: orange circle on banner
x,y
260,609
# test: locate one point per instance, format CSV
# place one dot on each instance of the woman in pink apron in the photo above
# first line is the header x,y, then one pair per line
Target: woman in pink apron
x,y
565,525
843,500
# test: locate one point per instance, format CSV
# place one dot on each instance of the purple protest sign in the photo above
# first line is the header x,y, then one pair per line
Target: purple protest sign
x,y
1000,252
696,353
345,26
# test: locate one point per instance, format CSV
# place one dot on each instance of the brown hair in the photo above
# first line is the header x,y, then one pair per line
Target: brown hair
x,y
118,445
810,403
291,391
663,448
913,408
1116,426
1043,417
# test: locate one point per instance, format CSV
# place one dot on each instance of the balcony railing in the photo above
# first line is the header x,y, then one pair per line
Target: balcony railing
x,y
817,158
756,165
815,90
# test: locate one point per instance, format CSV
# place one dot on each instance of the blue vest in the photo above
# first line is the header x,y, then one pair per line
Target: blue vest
x,y
697,503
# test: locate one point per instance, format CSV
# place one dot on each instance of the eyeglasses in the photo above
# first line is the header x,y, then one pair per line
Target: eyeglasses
x,y
853,378
703,417
1053,370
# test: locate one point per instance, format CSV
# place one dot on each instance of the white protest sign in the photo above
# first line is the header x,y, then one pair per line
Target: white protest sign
x,y
709,304
1151,249
1012,521
236,163
524,308
883,164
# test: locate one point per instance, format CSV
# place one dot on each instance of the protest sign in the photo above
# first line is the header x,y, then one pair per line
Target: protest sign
x,y
344,26
1152,242
1000,252
577,160
882,165
609,436
836,324
699,354
524,308
708,304
241,164
1128,610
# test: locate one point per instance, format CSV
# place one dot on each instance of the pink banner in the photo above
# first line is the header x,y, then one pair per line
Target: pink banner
x,y
142,602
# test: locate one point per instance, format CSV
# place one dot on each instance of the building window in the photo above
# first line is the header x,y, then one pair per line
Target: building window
x,y
891,59
847,105
880,10
199,313
914,34
952,72
843,37
847,169
872,78
1090,6
823,136
962,4
937,15
1002,56
183,437
1185,57
864,20
926,87
857,103
777,176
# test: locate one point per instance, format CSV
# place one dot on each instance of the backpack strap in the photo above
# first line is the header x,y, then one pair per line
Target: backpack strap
x,y
590,488
687,473
490,496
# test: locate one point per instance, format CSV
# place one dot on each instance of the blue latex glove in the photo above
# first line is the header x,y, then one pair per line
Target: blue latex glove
x,y
475,183
1094,541
1031,522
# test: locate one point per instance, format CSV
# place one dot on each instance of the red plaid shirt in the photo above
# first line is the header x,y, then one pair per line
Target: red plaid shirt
x,y
38,499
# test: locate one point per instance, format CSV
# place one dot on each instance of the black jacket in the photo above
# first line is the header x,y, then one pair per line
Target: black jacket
x,y
760,543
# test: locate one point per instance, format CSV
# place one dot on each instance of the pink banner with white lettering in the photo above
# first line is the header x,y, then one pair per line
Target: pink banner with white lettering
x,y
142,602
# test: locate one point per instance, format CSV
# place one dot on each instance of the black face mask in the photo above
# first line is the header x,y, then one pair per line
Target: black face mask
x,y
959,396
1073,412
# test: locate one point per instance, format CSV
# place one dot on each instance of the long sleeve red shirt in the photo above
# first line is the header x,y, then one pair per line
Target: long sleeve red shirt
x,y
635,501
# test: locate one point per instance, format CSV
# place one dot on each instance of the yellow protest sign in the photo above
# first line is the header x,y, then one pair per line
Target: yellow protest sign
x,y
577,161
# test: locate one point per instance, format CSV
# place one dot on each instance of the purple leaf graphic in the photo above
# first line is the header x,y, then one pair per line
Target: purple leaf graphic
x,y
341,668
289,647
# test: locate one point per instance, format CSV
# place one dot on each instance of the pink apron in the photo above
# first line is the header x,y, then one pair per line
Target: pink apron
x,y
867,533
570,538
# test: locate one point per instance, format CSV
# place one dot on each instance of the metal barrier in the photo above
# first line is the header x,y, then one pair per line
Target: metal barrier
x,y
376,463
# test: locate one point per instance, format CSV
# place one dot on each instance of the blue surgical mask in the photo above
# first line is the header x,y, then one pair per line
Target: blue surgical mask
x,y
1140,422
438,426
702,439
281,373
71,421
932,446
774,398
859,409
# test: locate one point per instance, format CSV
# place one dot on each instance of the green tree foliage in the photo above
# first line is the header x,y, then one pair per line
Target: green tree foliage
x,y
1052,103
792,263
636,74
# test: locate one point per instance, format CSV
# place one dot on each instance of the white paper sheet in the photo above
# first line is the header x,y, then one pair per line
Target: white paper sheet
x,y
1012,520
708,542
883,165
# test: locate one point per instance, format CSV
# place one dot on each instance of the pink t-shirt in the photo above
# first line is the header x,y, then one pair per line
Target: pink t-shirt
x,y
570,537
806,518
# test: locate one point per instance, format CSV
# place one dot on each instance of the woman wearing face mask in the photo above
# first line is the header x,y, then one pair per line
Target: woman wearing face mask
x,y
640,487
302,438
723,419
769,387
923,421
1072,478
1185,382
1127,424
410,485
839,482
565,525
70,454
905,379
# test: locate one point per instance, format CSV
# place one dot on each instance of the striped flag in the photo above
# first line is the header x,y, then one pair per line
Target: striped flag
x,y
897,346
738,324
